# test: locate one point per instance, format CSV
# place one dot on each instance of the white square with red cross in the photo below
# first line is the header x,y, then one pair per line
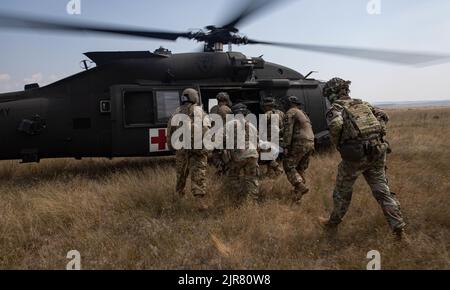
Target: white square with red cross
x,y
158,140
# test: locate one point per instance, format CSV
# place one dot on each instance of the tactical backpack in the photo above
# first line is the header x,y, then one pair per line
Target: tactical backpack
x,y
362,132
359,121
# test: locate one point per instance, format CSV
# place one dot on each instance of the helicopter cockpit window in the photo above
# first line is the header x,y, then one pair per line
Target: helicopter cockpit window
x,y
138,108
167,102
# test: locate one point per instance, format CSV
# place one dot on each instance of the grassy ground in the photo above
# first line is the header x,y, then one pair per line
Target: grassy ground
x,y
121,214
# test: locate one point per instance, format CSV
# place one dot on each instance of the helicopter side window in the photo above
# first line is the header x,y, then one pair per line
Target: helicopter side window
x,y
167,102
138,108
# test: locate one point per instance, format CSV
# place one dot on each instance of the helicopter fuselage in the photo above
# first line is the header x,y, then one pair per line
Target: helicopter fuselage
x,y
120,108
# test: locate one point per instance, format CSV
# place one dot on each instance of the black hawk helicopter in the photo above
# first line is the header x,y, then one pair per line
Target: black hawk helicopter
x,y
120,107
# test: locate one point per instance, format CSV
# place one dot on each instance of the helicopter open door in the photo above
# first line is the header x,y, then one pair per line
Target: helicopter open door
x,y
139,116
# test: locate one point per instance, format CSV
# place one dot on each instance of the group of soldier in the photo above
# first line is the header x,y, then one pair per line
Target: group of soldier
x,y
357,130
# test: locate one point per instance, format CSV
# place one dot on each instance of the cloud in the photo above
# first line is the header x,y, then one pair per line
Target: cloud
x,y
6,87
5,77
53,78
7,84
35,78
41,79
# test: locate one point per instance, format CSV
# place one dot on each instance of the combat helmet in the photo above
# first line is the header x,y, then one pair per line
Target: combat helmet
x,y
239,108
335,89
224,97
268,101
190,96
295,100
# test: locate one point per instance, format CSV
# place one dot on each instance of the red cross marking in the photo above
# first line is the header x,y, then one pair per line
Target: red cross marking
x,y
161,139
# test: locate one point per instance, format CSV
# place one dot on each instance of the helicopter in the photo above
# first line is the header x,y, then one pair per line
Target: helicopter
x,y
120,107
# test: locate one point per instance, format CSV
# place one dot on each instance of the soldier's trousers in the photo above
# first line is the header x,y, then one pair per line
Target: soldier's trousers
x,y
375,176
242,178
274,168
218,160
296,163
195,163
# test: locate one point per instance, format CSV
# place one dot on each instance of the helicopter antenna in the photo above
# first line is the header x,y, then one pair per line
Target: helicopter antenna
x,y
86,64
310,73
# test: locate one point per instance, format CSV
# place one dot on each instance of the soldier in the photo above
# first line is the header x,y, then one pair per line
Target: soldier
x,y
357,130
298,144
189,159
223,106
273,167
243,168
218,157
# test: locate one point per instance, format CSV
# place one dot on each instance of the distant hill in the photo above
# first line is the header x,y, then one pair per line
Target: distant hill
x,y
413,104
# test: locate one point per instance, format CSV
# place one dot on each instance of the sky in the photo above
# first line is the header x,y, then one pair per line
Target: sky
x,y
412,25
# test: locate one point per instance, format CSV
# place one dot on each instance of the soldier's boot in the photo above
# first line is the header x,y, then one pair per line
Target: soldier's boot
x,y
177,195
251,201
329,228
180,193
278,171
401,237
275,169
302,175
297,199
298,192
201,202
180,188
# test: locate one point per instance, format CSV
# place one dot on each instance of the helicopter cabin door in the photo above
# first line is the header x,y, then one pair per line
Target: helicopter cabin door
x,y
139,116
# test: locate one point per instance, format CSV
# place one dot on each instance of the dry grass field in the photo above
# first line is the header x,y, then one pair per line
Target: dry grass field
x,y
121,214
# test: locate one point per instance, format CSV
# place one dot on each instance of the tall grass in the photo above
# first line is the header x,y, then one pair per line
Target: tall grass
x,y
123,214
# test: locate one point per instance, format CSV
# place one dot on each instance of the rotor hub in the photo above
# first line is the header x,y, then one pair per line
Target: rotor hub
x,y
215,37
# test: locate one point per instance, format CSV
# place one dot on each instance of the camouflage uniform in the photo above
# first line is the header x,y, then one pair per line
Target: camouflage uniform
x,y
218,157
366,156
223,108
273,167
192,161
195,162
243,168
298,140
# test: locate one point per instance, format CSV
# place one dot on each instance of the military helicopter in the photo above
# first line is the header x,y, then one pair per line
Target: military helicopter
x,y
120,107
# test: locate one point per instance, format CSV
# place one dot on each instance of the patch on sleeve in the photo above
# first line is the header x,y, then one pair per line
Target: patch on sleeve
x,y
332,114
288,118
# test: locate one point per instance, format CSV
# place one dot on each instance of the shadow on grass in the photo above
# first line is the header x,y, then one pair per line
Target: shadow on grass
x,y
64,169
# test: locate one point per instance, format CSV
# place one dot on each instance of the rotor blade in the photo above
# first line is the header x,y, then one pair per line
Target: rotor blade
x,y
248,10
390,56
23,22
